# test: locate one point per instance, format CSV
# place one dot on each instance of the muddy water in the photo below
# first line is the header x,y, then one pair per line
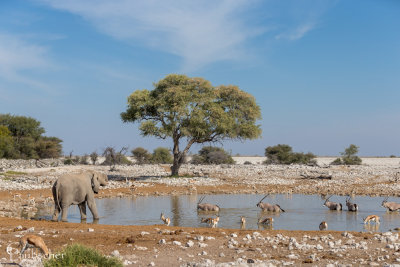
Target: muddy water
x,y
303,212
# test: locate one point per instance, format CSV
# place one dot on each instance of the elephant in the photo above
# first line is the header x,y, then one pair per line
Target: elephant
x,y
77,189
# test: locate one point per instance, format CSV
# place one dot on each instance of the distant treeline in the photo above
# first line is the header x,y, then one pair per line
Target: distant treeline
x,y
22,138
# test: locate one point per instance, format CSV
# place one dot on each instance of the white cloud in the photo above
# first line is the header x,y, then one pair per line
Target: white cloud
x,y
17,55
201,32
298,32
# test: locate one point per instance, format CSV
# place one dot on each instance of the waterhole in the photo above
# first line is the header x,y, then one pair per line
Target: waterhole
x,y
302,212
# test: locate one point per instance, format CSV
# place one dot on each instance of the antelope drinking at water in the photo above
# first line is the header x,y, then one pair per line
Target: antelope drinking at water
x,y
372,218
33,241
332,205
211,221
166,221
268,207
323,226
206,206
390,206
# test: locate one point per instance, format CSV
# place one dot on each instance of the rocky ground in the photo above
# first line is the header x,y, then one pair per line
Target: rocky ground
x,y
26,184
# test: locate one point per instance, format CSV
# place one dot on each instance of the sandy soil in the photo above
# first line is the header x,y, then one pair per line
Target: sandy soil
x,y
160,245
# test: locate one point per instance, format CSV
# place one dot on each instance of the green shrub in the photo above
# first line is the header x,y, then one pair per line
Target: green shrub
x,y
113,158
141,155
212,155
79,255
161,155
348,157
247,163
68,161
27,137
283,154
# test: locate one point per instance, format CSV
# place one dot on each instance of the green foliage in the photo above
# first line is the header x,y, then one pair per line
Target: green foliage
x,y
48,147
94,157
141,155
79,255
349,157
212,155
6,143
191,109
161,155
283,154
26,141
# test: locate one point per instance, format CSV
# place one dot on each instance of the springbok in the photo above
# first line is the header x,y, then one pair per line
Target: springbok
x,y
267,220
390,206
33,241
268,207
206,206
166,221
372,218
211,221
323,226
242,222
332,205
351,206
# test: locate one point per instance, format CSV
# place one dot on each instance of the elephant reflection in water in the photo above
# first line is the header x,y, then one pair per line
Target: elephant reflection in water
x,y
77,189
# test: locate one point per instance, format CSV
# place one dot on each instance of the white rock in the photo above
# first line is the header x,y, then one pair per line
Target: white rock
x,y
177,243
189,244
90,230
162,241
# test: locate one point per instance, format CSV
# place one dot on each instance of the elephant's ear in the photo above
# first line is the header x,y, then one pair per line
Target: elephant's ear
x,y
95,184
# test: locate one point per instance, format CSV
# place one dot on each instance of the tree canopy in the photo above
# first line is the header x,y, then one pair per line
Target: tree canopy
x,y
193,110
22,137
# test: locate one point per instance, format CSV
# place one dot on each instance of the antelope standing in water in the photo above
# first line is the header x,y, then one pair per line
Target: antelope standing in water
x,y
213,222
351,206
206,206
372,218
166,221
323,226
332,205
33,241
268,207
242,222
267,221
390,206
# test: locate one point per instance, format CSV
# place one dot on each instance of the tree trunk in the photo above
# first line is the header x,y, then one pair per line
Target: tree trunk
x,y
176,165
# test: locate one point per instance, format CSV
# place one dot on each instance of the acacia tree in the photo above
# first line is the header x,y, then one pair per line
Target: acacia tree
x,y
191,110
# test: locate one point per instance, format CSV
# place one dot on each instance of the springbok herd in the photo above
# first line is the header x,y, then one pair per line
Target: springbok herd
x,y
267,207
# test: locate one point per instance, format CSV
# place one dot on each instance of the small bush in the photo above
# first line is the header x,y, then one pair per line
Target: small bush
x,y
79,255
161,155
84,160
113,158
348,157
212,155
247,163
283,154
141,155
68,161
393,156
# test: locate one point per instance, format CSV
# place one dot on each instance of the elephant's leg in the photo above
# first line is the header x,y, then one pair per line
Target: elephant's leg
x,y
64,212
92,206
82,209
56,212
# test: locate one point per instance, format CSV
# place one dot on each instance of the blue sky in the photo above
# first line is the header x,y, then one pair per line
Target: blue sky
x,y
326,74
